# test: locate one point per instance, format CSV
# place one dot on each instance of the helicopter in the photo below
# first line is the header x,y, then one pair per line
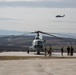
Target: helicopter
x,y
38,44
59,16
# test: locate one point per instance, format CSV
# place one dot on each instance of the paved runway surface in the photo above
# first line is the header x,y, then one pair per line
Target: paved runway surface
x,y
38,67
56,54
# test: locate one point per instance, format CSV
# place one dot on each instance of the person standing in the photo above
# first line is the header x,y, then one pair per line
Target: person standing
x,y
28,51
71,51
68,50
62,51
50,51
45,51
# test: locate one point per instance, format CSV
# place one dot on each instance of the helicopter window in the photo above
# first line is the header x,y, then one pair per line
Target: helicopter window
x,y
39,42
38,46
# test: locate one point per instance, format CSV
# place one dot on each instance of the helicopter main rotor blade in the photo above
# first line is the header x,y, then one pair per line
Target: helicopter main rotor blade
x,y
48,34
37,32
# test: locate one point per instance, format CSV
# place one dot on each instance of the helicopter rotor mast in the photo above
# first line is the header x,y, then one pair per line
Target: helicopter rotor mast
x,y
37,37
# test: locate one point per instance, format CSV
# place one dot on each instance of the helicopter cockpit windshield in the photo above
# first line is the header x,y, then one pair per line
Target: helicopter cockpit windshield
x,y
38,44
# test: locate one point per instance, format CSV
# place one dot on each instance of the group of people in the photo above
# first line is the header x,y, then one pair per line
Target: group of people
x,y
49,51
69,51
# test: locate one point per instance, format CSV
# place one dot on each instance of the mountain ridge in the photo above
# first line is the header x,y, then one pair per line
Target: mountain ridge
x,y
11,32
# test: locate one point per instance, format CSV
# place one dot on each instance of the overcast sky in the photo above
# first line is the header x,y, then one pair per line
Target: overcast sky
x,y
38,3
31,15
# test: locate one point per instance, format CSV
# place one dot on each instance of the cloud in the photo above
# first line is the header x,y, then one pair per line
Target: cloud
x,y
8,19
31,0
39,3
36,0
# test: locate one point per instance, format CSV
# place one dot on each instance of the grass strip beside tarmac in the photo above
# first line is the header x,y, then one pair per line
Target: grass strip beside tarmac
x,y
31,57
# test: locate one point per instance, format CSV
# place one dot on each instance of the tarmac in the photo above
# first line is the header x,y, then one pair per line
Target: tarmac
x,y
37,66
42,54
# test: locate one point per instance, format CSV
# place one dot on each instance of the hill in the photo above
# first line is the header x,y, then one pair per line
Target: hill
x,y
22,42
10,32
